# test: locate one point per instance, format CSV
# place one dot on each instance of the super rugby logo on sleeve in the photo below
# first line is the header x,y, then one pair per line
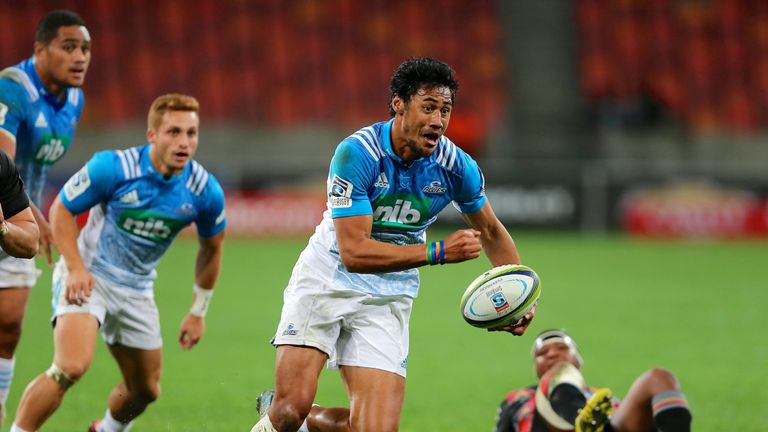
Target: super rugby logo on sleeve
x,y
340,193
77,184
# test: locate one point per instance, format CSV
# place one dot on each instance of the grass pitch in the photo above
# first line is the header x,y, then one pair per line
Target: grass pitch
x,y
697,309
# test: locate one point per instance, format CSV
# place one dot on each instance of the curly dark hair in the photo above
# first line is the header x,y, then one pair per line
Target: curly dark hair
x,y
49,25
418,72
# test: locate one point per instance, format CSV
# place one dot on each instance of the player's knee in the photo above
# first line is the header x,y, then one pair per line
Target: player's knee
x,y
147,392
287,414
146,396
661,379
65,376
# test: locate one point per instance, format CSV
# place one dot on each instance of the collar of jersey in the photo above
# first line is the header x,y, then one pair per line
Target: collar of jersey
x,y
28,66
146,166
386,143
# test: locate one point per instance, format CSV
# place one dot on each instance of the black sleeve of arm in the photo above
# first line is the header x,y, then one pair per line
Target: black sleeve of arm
x,y
12,196
504,418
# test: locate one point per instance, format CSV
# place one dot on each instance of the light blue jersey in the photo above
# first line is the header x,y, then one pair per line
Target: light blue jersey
x,y
42,125
367,178
136,213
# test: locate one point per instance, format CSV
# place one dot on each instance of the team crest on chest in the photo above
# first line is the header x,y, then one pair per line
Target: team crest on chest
x,y
435,187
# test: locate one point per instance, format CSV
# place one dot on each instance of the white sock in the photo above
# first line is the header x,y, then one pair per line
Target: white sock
x,y
109,424
6,375
264,425
15,428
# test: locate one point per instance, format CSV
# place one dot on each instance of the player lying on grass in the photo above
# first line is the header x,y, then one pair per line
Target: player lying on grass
x,y
563,402
139,200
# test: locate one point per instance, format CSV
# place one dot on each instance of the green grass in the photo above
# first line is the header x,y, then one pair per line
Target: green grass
x,y
698,309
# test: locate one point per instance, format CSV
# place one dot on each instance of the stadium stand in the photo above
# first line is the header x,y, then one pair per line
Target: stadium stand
x,y
272,63
704,62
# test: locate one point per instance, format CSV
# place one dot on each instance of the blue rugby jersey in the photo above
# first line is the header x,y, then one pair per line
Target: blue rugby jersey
x,y
42,125
367,178
136,213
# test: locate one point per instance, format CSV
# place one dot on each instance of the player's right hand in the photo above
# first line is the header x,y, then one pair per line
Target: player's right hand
x,y
46,240
79,286
462,245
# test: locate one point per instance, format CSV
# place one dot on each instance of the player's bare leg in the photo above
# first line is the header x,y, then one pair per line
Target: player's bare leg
x,y
297,370
13,302
75,343
320,419
375,397
140,386
639,410
323,419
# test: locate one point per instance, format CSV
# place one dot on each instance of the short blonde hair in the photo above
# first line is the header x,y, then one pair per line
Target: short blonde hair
x,y
170,102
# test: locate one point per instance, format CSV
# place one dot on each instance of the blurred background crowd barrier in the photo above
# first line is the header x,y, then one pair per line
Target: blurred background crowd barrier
x,y
648,116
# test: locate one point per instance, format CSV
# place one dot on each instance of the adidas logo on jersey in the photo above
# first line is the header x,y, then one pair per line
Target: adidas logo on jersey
x,y
131,197
41,122
382,181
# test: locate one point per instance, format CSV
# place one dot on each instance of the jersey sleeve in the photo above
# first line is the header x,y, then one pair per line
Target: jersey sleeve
x,y
351,174
94,183
211,218
516,412
13,199
470,193
13,105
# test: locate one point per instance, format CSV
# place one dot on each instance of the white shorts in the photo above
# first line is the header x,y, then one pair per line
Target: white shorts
x,y
17,272
353,328
126,318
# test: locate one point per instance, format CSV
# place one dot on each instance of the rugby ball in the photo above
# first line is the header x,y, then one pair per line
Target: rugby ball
x,y
500,296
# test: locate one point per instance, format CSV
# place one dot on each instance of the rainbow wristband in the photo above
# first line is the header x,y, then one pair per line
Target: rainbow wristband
x,y
436,253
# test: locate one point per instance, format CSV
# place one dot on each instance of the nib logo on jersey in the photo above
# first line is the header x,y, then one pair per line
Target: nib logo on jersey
x,y
51,149
400,211
152,226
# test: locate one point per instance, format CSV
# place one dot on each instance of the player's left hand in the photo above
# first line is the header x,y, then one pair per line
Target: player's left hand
x,y
518,328
192,329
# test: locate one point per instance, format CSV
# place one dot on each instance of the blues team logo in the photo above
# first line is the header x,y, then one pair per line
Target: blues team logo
x,y
435,187
499,302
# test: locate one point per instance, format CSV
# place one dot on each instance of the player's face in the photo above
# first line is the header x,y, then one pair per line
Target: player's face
x,y
174,142
425,119
64,61
551,354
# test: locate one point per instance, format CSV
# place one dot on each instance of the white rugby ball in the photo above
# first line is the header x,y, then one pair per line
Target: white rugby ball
x,y
500,296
